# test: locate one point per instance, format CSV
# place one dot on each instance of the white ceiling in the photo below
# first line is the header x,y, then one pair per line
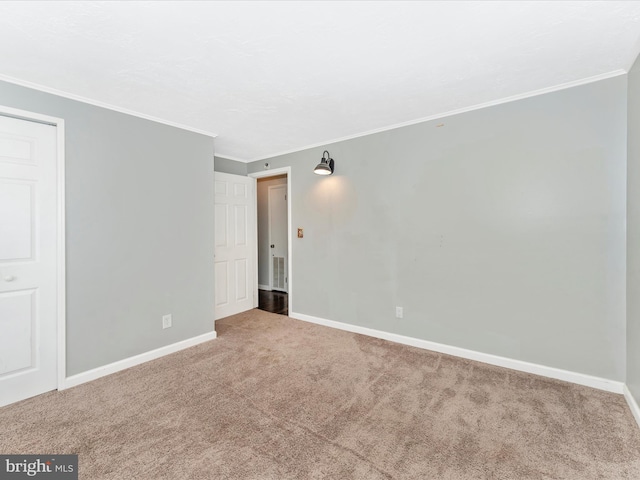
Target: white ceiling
x,y
272,77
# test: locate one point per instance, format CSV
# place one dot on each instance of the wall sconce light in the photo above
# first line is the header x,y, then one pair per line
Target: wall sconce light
x,y
325,167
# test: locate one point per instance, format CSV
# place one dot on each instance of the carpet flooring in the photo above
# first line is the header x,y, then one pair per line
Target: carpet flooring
x,y
276,398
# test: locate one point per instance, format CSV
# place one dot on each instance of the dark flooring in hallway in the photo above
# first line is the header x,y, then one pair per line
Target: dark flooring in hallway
x,y
274,302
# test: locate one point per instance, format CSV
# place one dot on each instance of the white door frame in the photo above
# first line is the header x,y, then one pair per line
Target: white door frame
x,y
272,173
60,225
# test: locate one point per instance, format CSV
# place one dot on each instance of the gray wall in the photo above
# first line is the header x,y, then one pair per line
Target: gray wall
x,y
502,231
264,252
139,213
633,233
224,165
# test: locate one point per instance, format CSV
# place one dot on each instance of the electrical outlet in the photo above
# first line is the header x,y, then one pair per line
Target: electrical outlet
x,y
166,321
399,312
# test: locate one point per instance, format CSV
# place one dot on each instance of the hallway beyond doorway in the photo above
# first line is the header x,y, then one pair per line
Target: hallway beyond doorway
x,y
274,302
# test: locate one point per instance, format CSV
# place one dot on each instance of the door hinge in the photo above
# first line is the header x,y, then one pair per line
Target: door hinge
x,y
285,196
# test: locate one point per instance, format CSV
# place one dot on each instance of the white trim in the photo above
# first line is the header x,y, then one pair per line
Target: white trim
x,y
114,367
437,116
30,116
254,213
62,262
272,173
519,365
633,405
61,265
97,103
264,287
234,159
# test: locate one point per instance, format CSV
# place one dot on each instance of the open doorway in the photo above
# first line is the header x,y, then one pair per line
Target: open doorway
x,y
272,209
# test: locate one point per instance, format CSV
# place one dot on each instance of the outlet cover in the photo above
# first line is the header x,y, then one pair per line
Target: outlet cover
x,y
399,312
166,321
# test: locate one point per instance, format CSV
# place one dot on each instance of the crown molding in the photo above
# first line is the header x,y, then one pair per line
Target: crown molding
x,y
96,103
437,116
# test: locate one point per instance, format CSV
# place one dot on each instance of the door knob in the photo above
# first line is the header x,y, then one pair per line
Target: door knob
x,y
9,278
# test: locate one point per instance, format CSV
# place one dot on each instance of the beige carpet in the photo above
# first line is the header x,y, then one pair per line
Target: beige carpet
x,y
275,398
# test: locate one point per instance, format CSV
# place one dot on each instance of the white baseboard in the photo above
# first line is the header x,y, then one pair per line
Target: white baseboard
x,y
519,365
114,367
633,405
264,287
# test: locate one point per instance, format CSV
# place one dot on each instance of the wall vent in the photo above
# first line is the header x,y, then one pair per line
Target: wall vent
x,y
279,274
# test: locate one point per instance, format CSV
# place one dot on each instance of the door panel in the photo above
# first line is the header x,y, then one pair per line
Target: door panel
x,y
15,148
18,332
222,290
278,237
221,222
28,253
234,269
17,218
242,280
240,224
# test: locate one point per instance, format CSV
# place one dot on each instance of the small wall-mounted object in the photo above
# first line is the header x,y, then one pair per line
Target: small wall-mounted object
x,y
300,233
326,165
266,166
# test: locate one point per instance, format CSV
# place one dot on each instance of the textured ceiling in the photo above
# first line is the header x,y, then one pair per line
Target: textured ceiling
x,y
271,77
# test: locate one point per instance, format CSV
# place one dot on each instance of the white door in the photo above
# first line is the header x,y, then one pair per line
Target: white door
x,y
234,248
278,233
28,259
